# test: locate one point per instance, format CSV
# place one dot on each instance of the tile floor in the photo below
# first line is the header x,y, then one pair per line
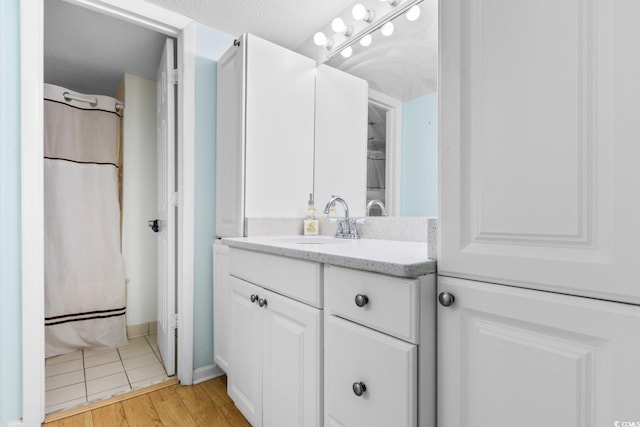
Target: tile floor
x,y
83,376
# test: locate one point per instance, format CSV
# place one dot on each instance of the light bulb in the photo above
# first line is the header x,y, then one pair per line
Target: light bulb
x,y
346,52
320,39
338,25
361,13
387,29
366,40
413,13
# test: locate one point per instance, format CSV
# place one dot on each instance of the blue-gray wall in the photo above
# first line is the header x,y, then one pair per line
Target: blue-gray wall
x,y
10,284
210,45
419,194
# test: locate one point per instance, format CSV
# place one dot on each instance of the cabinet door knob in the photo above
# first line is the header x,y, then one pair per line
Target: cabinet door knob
x,y
359,388
262,302
254,298
446,299
361,300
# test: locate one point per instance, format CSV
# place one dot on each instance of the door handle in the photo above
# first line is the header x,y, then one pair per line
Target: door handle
x,y
154,224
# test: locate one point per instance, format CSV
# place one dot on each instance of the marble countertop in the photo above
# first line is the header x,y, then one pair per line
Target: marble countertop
x,y
392,257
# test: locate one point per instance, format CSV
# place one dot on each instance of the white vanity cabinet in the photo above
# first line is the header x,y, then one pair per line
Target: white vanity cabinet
x,y
379,349
274,375
265,133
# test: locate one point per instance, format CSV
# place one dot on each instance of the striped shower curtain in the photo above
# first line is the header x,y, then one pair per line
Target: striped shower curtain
x,y
85,297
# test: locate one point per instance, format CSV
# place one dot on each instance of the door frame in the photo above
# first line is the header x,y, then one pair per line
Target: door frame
x,y
32,187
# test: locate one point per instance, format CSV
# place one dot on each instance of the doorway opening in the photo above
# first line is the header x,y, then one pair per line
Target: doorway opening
x,y
92,55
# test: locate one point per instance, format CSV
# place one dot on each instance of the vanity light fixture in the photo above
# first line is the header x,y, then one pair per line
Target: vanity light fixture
x,y
361,13
369,21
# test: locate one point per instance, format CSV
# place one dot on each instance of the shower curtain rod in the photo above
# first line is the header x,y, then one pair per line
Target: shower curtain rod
x,y
91,101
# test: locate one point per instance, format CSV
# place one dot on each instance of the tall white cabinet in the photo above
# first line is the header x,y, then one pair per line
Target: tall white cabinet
x,y
539,145
538,174
265,133
340,163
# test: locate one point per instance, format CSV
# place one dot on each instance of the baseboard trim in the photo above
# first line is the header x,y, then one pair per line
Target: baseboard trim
x,y
206,373
14,424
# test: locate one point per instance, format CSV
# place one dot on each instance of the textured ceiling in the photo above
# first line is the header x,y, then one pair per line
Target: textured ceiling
x,y
288,23
88,52
403,65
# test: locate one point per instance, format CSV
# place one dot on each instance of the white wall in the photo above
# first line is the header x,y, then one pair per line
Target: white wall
x,y
139,197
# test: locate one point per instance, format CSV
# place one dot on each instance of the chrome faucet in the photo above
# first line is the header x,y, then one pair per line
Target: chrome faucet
x,y
383,211
346,227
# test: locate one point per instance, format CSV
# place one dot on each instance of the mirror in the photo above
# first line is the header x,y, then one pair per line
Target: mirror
x,y
401,70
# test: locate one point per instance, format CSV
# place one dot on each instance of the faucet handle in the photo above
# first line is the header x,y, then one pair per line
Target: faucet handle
x,y
353,229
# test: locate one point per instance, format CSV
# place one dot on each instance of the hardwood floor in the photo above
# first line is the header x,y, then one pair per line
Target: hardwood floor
x,y
204,404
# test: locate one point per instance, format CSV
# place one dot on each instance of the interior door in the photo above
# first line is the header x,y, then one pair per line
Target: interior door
x,y
165,115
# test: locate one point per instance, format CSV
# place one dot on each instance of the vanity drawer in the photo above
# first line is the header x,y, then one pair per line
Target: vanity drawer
x,y
391,303
386,366
295,278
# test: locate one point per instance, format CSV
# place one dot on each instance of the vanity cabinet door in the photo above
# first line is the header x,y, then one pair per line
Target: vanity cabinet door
x,y
371,378
275,363
280,93
516,357
292,363
539,145
245,364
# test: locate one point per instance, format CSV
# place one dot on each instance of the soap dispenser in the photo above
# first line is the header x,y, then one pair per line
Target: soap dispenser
x,y
311,219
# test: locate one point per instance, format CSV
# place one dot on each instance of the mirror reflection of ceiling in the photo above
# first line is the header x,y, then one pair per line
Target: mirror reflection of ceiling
x,y
403,65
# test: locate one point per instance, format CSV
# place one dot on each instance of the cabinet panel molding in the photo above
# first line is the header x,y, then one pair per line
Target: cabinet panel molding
x,y
519,141
509,356
536,145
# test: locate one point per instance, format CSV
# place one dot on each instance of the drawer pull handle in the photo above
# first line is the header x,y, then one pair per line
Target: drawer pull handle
x,y
254,298
262,302
446,299
361,300
359,388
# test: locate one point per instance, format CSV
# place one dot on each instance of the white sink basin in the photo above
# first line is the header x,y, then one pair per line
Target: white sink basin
x,y
310,240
